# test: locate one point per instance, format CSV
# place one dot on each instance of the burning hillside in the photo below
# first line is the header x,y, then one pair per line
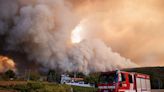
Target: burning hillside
x,y
68,35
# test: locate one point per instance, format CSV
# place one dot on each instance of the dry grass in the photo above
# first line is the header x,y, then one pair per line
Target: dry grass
x,y
10,83
7,91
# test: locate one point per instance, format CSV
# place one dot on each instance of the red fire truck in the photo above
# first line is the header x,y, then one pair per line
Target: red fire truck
x,y
121,81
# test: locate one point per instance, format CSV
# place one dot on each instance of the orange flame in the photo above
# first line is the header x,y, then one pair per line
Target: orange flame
x,y
6,64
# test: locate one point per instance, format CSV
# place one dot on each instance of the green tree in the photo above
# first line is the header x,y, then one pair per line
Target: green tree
x,y
53,76
8,75
35,76
92,78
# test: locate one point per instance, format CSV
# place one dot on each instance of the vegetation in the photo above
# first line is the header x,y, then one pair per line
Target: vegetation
x,y
92,78
45,87
8,75
34,76
53,76
83,89
41,87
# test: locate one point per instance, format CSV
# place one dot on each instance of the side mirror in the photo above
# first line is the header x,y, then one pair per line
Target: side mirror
x,y
119,79
120,85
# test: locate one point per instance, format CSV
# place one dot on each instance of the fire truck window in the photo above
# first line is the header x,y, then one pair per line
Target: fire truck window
x,y
123,77
130,78
108,78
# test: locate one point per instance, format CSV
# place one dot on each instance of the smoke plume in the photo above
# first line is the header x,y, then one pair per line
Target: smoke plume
x,y
42,29
133,28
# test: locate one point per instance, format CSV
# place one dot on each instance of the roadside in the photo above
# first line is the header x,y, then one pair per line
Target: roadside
x,y
157,90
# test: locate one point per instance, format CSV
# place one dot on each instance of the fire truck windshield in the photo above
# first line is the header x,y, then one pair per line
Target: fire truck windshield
x,y
108,78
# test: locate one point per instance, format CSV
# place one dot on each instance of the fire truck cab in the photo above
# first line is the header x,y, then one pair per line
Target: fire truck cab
x,y
121,81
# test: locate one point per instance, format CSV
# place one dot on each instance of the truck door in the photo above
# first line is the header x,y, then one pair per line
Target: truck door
x,y
123,83
131,82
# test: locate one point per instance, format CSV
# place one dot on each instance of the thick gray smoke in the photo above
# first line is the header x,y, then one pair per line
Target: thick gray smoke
x,y
42,29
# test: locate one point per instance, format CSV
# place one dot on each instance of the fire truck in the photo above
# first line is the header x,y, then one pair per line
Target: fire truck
x,y
121,81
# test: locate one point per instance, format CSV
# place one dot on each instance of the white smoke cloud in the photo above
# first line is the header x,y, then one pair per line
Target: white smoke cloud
x,y
43,31
93,55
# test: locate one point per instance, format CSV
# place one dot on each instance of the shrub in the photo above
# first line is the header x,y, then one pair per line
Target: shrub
x,y
83,89
8,75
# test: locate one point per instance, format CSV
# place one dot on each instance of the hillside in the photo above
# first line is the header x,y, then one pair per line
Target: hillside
x,y
156,73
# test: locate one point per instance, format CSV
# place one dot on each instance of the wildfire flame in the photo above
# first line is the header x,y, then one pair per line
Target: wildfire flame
x,y
76,38
6,64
